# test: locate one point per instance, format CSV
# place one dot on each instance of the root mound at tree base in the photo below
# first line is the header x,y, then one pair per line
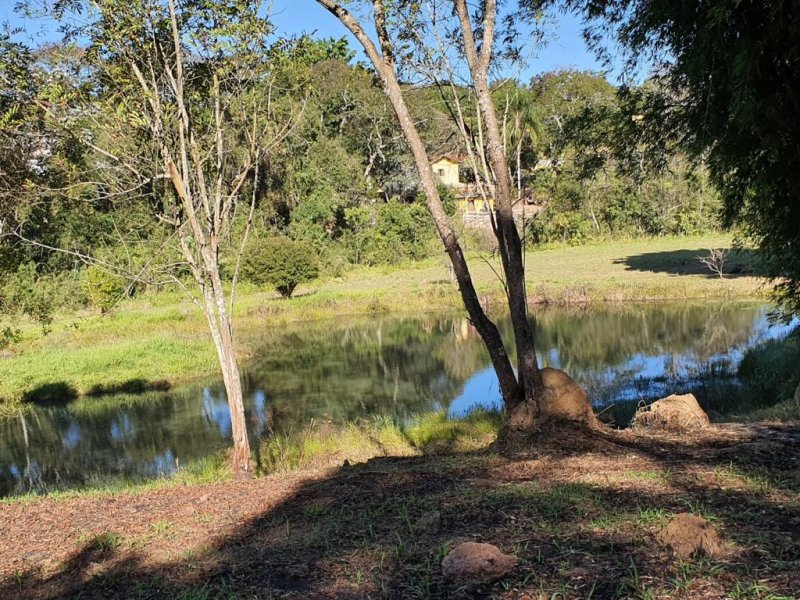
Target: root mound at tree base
x,y
564,405
562,400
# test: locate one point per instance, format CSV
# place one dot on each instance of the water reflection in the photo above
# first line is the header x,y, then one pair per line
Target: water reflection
x,y
341,371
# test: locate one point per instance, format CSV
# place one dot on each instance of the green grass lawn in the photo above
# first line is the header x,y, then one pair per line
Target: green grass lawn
x,y
163,338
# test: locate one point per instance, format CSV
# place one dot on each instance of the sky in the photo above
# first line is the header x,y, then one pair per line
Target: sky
x,y
566,48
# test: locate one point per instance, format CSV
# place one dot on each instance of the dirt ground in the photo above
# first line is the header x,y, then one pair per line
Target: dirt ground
x,y
582,514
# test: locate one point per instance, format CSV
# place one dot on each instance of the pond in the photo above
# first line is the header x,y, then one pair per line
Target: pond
x,y
346,369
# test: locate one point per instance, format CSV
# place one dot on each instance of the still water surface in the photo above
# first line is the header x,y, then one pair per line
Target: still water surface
x,y
385,365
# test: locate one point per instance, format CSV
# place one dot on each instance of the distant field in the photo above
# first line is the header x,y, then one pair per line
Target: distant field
x,y
640,269
162,338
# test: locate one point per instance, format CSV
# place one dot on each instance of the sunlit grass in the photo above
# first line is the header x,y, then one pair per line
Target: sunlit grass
x,y
328,445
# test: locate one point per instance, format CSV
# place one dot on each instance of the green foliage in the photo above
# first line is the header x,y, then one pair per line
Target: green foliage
x,y
102,288
557,98
316,218
305,51
728,91
8,336
341,177
22,294
566,226
601,177
280,262
448,198
388,232
770,371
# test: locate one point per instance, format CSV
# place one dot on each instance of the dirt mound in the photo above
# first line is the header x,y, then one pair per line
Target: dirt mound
x,y
476,562
672,413
563,401
686,534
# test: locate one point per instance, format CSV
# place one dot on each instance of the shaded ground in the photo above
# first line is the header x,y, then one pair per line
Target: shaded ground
x,y
739,263
581,515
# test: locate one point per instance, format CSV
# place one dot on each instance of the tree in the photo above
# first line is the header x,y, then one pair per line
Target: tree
x,y
400,27
731,76
280,262
25,158
181,118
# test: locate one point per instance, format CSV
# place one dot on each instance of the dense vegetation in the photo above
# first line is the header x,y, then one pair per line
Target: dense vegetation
x,y
340,181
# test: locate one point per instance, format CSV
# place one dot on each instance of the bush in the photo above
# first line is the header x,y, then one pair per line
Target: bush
x,y
280,262
388,232
102,289
769,371
23,293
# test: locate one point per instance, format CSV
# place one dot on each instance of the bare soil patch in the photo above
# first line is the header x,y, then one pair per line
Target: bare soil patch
x,y
582,514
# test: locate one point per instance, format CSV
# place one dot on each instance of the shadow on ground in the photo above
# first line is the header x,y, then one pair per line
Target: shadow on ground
x,y
581,514
739,263
61,392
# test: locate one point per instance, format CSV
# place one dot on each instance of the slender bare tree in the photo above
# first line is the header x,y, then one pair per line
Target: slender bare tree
x,y
187,116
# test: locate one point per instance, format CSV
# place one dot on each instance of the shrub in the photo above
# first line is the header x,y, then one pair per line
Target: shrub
x,y
102,289
280,262
388,232
23,293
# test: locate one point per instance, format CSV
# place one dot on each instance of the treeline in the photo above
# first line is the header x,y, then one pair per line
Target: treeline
x,y
339,180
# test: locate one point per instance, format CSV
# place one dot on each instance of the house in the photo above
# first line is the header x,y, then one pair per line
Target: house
x,y
446,167
474,208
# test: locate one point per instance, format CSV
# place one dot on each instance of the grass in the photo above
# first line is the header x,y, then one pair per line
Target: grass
x,y
325,446
161,339
102,542
764,385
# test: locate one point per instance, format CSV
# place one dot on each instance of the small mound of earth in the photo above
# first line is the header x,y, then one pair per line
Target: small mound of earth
x,y
686,534
477,563
674,413
563,400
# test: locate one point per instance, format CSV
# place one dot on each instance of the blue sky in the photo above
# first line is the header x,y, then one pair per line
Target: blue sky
x,y
566,47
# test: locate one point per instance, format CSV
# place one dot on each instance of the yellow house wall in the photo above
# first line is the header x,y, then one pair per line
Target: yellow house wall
x,y
473,205
447,172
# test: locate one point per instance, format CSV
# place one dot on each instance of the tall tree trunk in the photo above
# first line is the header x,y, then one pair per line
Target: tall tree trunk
x,y
483,324
384,65
525,397
510,244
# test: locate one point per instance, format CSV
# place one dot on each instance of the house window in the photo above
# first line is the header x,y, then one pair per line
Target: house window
x,y
441,172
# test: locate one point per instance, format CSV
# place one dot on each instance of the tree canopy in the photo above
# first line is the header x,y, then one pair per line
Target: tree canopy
x,y
729,72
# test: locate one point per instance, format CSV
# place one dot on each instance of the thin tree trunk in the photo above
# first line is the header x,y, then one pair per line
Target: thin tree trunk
x,y
240,460
221,333
529,375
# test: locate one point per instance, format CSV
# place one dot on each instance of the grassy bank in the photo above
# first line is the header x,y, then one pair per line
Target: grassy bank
x,y
161,339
